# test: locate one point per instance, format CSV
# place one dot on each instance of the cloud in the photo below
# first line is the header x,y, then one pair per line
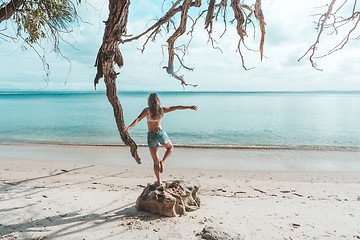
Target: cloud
x,y
289,33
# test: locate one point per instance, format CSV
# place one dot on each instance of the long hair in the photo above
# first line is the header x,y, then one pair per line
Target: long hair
x,y
154,105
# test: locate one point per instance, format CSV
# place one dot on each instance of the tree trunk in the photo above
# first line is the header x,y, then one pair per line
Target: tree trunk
x,y
109,54
9,9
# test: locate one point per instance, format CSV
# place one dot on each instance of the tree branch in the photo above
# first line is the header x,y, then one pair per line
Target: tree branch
x,y
312,48
260,17
9,9
109,53
172,11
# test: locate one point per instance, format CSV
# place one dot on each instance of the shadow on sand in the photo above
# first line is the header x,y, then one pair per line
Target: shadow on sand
x,y
67,224
75,223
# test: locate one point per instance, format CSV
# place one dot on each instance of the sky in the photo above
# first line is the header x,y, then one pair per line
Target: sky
x,y
290,31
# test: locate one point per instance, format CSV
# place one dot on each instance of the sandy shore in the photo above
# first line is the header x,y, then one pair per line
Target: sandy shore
x,y
78,192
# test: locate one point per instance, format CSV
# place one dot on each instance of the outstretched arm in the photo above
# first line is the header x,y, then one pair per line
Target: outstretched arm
x,y
138,119
173,108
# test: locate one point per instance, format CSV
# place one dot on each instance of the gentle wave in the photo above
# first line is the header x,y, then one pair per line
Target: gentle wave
x,y
321,119
300,148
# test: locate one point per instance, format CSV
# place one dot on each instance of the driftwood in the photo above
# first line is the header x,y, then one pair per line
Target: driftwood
x,y
173,199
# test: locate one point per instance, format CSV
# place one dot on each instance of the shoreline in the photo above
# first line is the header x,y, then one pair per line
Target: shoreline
x,y
239,159
239,147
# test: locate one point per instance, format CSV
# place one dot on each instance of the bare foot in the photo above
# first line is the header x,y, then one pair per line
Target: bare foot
x,y
161,169
157,183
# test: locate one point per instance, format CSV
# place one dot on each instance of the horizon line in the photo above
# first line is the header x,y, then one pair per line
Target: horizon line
x,y
22,91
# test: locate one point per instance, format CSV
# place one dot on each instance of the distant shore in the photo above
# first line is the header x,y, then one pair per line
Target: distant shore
x,y
19,91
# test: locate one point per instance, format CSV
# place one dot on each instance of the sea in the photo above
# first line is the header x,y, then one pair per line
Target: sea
x,y
224,119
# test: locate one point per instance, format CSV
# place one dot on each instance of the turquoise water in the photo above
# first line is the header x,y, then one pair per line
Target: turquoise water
x,y
240,119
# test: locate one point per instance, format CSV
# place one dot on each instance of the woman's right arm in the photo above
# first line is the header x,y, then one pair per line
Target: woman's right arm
x,y
173,108
138,119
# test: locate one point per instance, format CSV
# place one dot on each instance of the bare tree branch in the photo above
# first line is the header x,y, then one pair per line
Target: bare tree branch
x,y
109,54
260,17
210,16
312,48
172,11
333,20
171,41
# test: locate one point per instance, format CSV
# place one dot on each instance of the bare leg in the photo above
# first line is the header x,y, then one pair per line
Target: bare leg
x,y
155,156
169,147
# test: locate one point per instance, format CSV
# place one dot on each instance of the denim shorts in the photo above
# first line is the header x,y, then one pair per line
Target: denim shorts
x,y
154,138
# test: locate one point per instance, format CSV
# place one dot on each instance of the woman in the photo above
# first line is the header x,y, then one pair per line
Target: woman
x,y
156,135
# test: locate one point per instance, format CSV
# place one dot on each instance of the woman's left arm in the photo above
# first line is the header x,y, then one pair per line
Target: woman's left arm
x,y
173,108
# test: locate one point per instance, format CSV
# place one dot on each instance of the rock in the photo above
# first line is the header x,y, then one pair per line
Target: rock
x,y
214,233
174,198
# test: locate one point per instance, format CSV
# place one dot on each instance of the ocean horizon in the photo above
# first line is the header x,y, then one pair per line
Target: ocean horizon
x,y
58,91
291,119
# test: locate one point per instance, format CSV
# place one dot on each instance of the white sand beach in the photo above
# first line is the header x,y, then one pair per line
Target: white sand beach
x,y
89,192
